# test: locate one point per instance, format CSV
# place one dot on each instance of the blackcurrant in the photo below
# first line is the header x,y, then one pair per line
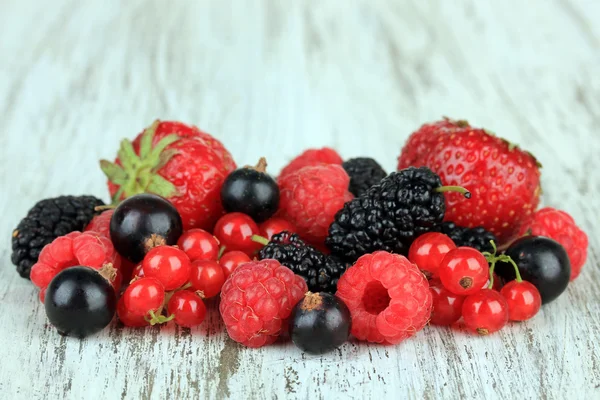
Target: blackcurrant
x,y
320,323
143,222
251,191
80,302
541,261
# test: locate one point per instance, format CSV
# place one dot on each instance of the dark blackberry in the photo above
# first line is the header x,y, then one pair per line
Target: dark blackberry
x,y
46,221
321,272
390,215
477,238
364,172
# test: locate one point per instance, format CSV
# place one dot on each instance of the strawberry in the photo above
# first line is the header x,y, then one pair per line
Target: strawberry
x,y
178,162
504,181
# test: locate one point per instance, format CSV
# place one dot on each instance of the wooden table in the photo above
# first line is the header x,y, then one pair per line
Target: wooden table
x,y
270,79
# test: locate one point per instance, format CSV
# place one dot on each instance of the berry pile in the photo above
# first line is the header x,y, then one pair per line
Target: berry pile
x,y
329,249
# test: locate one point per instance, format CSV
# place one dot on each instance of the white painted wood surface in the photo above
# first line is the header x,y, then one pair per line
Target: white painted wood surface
x,y
272,78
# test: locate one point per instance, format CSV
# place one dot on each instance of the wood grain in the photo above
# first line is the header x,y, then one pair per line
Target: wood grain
x,y
272,78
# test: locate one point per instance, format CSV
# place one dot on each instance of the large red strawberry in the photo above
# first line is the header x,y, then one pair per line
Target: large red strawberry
x,y
504,181
178,162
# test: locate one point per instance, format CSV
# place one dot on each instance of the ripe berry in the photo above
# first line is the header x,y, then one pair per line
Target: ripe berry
x,y
319,323
251,191
464,271
524,300
447,306
388,297
79,301
207,277
257,299
187,308
234,231
485,312
541,261
274,226
428,251
170,265
144,297
199,245
129,319
143,222
312,157
231,260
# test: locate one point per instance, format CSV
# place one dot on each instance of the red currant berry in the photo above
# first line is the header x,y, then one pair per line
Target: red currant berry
x,y
274,226
485,311
447,306
464,271
187,308
143,296
169,265
207,277
128,319
231,260
137,272
234,231
523,298
199,245
428,251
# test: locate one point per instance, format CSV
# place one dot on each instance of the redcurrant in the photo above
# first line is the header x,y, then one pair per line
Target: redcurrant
x,y
464,271
187,308
137,272
485,311
234,231
169,265
127,318
447,306
231,260
274,226
523,298
144,296
207,277
199,245
428,251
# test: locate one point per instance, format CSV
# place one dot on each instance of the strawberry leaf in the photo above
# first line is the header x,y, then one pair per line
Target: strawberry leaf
x,y
113,172
146,140
162,187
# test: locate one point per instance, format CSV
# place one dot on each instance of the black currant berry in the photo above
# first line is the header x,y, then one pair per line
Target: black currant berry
x,y
251,191
80,302
143,222
319,323
541,261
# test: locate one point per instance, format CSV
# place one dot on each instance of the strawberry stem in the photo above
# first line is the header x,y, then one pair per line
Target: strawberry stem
x,y
457,189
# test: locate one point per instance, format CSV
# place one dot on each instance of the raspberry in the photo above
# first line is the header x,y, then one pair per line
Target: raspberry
x,y
257,299
101,223
88,249
560,226
311,197
312,157
388,297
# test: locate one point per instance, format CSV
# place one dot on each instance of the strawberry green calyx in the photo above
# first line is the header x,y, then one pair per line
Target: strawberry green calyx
x,y
139,173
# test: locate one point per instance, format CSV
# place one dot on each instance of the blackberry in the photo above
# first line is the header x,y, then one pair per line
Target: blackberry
x,y
390,215
47,220
477,238
364,172
321,272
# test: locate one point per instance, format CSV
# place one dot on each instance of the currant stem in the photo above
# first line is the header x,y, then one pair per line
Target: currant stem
x,y
221,252
458,189
259,239
106,207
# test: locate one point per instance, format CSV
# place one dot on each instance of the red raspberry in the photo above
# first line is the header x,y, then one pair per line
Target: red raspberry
x,y
312,157
257,299
560,226
89,249
311,197
388,297
101,223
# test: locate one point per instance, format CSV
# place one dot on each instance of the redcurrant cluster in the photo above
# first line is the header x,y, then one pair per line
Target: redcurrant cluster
x,y
463,284
172,282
